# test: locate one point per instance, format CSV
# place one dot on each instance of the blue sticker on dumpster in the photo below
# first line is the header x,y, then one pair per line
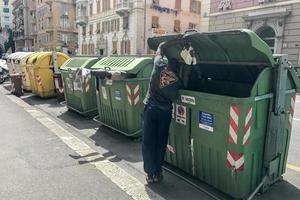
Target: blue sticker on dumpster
x,y
206,121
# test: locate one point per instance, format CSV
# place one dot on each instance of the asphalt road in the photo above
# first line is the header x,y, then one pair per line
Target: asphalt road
x,y
37,165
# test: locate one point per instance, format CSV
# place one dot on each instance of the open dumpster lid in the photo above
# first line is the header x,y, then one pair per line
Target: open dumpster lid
x,y
225,47
123,63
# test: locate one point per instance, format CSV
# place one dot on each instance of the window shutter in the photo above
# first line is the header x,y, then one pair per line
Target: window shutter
x,y
91,9
155,22
199,7
128,47
178,4
191,5
177,26
98,6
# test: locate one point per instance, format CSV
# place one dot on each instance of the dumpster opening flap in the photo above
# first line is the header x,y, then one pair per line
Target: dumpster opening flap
x,y
224,63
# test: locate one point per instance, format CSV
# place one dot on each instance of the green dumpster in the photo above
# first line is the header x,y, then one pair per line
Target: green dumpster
x,y
120,99
79,86
231,126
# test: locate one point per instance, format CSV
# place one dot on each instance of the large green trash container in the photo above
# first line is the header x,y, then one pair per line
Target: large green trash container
x,y
120,100
231,126
79,86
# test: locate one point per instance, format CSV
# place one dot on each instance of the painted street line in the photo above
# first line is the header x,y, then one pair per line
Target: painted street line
x,y
296,119
293,167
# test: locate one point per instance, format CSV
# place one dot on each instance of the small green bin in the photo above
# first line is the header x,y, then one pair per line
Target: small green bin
x,y
79,85
225,129
120,101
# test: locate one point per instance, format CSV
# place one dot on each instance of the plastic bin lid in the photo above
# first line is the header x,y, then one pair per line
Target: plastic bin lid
x,y
123,63
78,62
32,57
228,47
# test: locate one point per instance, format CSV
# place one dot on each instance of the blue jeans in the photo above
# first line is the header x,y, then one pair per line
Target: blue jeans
x,y
156,124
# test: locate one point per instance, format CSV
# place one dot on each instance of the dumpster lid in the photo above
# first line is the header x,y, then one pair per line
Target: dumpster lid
x,y
78,62
129,64
226,47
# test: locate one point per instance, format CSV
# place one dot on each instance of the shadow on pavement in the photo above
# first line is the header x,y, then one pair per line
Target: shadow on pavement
x,y
281,190
117,144
36,101
77,121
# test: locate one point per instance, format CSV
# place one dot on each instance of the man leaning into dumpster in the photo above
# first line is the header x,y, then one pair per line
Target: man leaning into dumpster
x,y
163,89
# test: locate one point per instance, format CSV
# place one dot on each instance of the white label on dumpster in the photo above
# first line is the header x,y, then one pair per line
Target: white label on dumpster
x,y
206,121
104,92
188,99
118,95
173,111
181,114
109,82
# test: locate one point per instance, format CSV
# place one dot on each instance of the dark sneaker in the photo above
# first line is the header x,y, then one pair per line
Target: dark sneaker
x,y
158,178
150,179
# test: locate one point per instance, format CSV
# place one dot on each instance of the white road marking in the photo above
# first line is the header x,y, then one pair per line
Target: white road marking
x,y
126,182
296,119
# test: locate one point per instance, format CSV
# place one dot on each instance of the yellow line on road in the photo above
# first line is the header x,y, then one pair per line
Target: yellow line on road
x,y
293,167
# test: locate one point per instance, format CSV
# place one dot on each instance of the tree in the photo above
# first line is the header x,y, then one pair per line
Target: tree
x,y
10,43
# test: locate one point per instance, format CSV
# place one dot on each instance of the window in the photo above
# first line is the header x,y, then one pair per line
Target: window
x,y
6,10
267,34
155,1
126,23
195,6
155,22
177,26
178,4
98,30
115,45
125,45
91,9
98,6
83,30
192,26
91,29
105,5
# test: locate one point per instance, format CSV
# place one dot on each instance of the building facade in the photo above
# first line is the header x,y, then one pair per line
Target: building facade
x,y
6,16
45,25
109,27
277,22
5,22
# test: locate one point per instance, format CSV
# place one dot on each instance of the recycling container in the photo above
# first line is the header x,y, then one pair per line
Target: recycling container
x,y
232,124
20,64
41,73
120,99
11,62
79,85
16,84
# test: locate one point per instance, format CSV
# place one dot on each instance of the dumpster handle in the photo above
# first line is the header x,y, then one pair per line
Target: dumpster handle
x,y
271,95
257,188
111,127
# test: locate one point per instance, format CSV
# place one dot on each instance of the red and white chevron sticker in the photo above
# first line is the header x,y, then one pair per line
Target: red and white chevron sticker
x,y
39,80
292,108
133,98
87,83
234,124
128,94
247,130
235,161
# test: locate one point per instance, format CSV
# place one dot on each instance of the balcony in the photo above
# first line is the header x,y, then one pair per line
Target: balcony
x,y
82,20
123,8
